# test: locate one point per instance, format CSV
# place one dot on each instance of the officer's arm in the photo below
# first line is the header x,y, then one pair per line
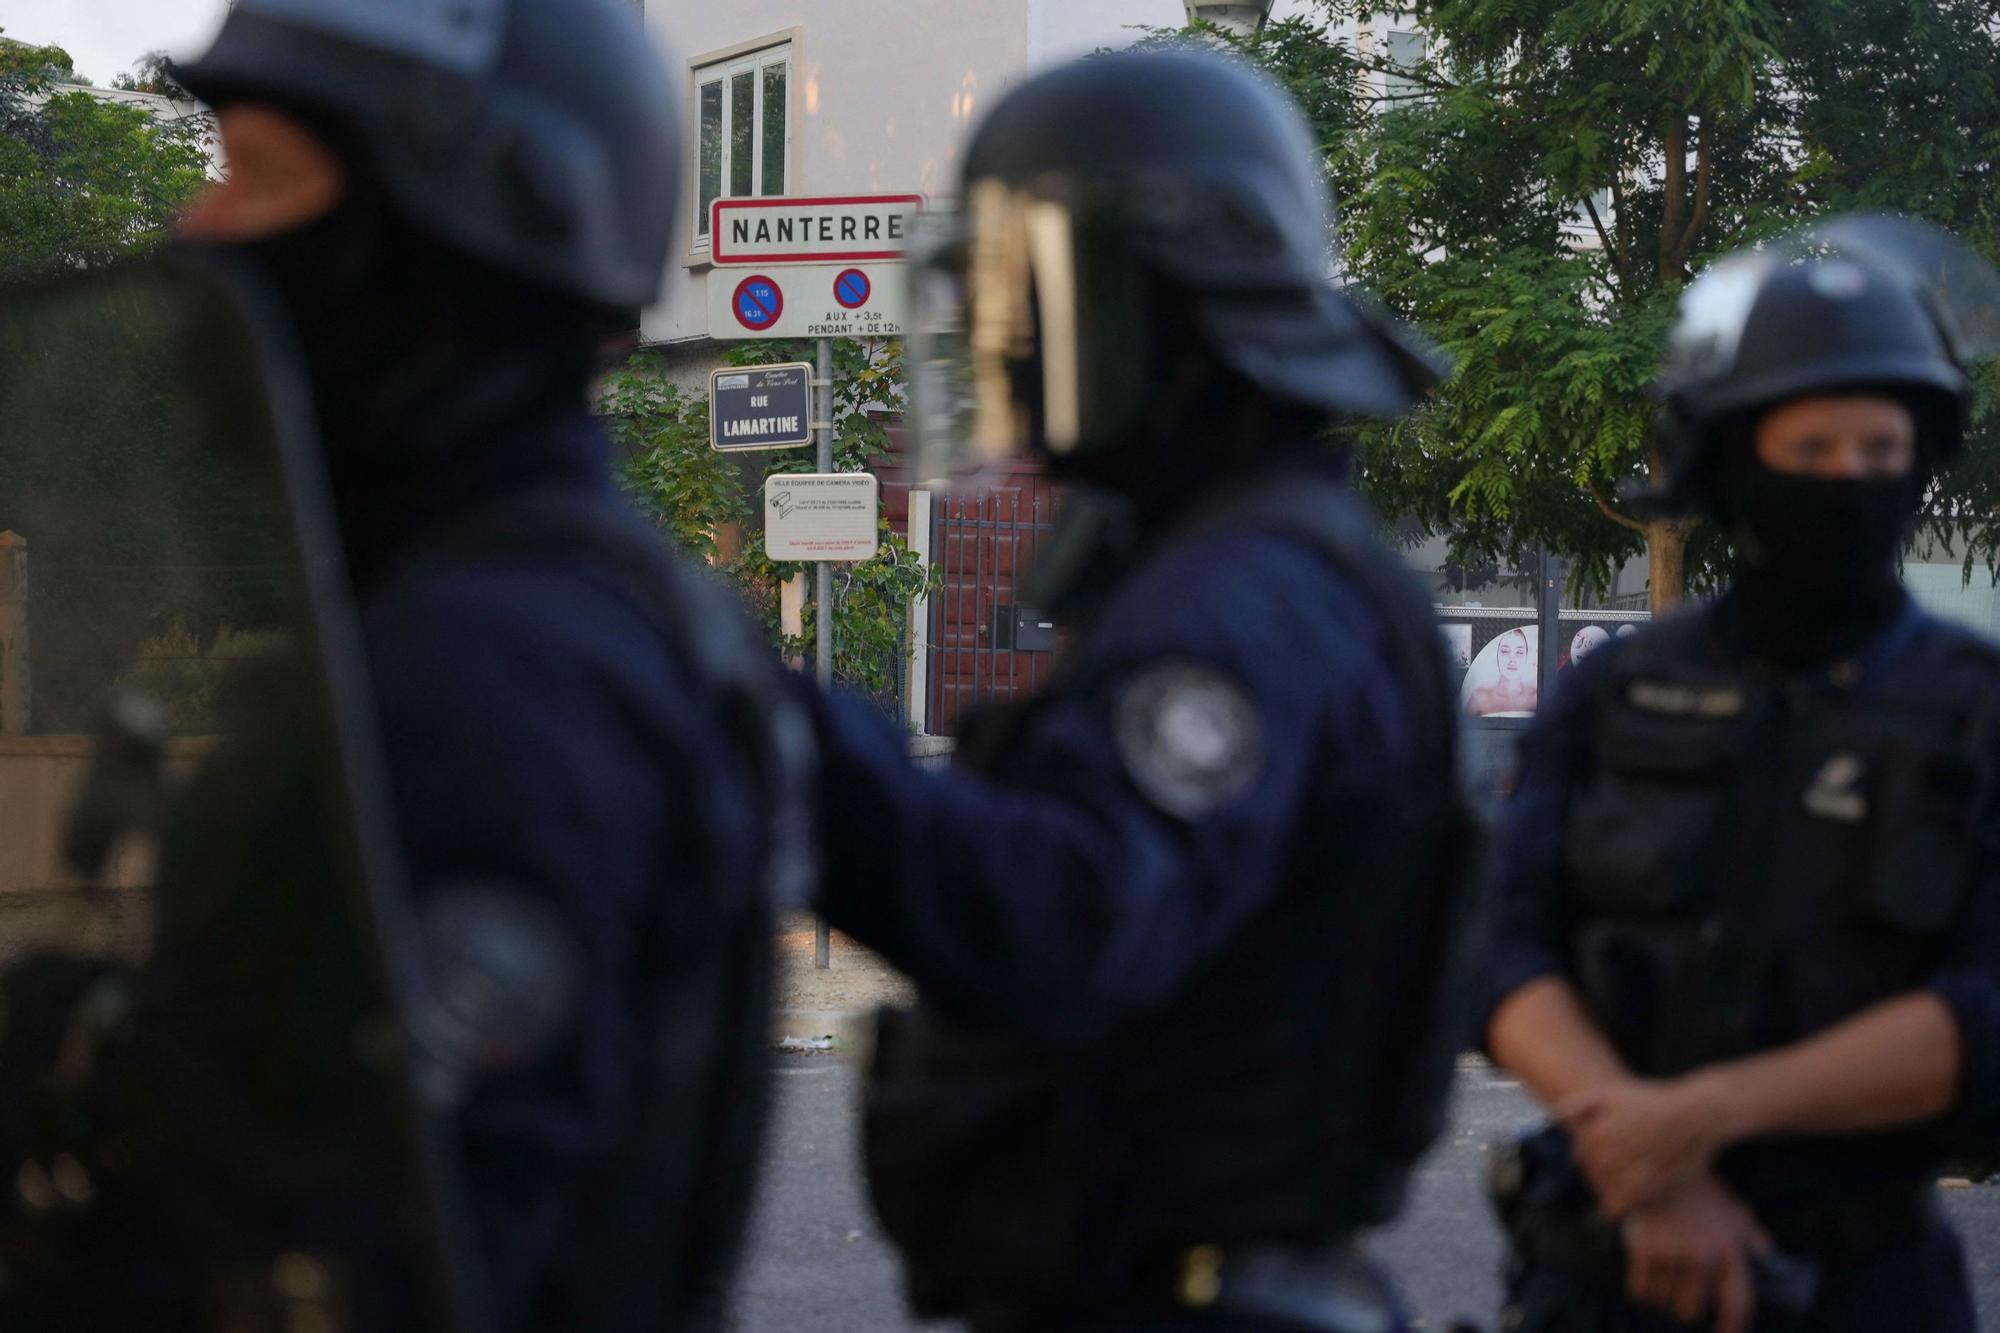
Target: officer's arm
x,y
1893,1064
1544,1035
1912,1058
1108,865
1536,1024
1917,1057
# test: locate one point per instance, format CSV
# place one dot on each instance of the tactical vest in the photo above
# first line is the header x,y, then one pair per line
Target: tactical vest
x,y
1752,859
1281,1097
655,1232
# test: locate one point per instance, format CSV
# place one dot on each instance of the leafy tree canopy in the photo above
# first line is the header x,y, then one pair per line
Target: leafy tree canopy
x,y
153,73
83,181
44,63
1536,191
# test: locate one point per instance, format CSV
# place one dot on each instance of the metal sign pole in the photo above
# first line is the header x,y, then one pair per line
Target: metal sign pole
x,y
823,583
1551,574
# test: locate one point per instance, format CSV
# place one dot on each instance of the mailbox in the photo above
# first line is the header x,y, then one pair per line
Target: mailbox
x,y
1022,629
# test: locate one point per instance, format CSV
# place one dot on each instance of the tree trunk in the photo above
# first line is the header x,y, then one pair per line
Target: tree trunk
x,y
1674,199
1666,553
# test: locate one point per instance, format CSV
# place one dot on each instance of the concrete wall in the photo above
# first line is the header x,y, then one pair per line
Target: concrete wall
x,y
39,780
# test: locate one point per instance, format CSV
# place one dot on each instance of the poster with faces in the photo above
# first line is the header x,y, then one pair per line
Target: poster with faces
x,y
1582,638
1502,680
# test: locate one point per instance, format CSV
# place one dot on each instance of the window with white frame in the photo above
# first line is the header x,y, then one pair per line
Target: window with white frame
x,y
1402,49
1580,223
745,112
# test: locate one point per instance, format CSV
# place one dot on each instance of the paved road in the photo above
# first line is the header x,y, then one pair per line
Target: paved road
x,y
818,1263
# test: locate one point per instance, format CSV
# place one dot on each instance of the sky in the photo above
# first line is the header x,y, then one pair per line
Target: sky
x,y
104,37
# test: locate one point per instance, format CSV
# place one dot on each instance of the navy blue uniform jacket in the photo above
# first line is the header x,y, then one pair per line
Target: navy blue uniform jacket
x,y
1063,899
540,735
1533,926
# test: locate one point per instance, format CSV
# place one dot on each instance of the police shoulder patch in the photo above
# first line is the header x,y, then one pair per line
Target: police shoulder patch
x,y
1189,737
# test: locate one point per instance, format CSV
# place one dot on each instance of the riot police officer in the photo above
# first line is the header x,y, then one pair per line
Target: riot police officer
x,y
1750,947
1182,925
452,207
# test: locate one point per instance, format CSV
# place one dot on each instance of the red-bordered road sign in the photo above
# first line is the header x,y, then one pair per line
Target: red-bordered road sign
x,y
853,288
833,229
758,303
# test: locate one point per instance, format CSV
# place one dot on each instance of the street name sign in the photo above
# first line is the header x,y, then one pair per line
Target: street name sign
x,y
822,516
847,300
840,229
760,407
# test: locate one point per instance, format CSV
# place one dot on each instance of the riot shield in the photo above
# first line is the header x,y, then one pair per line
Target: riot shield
x,y
208,1114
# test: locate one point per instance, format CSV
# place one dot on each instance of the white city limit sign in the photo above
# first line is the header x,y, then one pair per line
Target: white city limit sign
x,y
822,516
863,300
845,229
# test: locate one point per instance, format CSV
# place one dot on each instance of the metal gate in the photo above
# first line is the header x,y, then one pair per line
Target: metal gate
x,y
981,644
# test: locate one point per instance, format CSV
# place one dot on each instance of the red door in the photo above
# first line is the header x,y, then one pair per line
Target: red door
x,y
981,644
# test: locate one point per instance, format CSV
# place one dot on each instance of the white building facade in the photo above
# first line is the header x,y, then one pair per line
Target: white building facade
x,y
848,97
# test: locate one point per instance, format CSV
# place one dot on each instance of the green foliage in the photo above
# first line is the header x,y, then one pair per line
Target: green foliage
x,y
40,64
152,73
694,492
662,434
1691,127
82,181
871,602
176,669
1319,71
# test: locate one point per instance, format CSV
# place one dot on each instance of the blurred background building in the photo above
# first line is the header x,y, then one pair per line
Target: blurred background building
x,y
803,97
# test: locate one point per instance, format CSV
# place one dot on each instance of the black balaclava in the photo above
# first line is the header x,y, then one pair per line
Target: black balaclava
x,y
1207,434
429,370
1815,560
1203,431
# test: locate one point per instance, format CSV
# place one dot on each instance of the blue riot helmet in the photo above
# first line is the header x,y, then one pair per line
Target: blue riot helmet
x,y
1869,304
538,137
1117,216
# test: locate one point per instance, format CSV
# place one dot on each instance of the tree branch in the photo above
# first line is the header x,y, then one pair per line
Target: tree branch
x,y
1620,218
1417,74
1604,239
1702,173
1604,507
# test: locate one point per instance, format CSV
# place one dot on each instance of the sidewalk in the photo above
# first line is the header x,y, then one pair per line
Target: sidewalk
x,y
838,1002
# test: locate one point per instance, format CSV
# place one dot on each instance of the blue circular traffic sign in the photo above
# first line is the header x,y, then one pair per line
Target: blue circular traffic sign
x,y
852,288
758,303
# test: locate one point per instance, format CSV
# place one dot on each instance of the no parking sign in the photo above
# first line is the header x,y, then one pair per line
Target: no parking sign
x,y
852,289
757,303
809,301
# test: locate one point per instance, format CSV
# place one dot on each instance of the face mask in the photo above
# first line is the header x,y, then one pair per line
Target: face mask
x,y
388,324
325,276
1816,560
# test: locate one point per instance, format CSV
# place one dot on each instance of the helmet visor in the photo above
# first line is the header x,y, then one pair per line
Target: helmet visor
x,y
1026,308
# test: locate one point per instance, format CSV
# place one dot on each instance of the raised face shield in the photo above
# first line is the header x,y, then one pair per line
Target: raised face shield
x,y
1959,285
1714,342
201,1039
1032,330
